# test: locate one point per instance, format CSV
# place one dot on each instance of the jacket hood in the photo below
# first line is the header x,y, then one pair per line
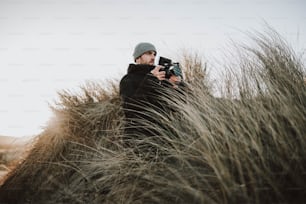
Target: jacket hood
x,y
140,68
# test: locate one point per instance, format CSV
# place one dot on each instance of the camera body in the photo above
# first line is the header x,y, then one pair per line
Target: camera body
x,y
171,68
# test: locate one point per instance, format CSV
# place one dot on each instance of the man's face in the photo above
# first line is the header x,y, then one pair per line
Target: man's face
x,y
147,58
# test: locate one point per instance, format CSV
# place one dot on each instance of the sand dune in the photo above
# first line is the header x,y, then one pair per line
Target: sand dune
x,y
11,142
247,146
11,150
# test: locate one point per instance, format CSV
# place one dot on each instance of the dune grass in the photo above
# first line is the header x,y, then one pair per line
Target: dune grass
x,y
248,146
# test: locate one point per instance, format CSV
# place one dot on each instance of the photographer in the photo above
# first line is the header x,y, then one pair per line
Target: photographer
x,y
141,88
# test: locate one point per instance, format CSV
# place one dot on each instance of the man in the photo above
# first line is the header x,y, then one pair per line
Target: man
x,y
140,90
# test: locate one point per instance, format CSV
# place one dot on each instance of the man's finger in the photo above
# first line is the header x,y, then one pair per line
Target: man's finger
x,y
162,73
158,67
161,77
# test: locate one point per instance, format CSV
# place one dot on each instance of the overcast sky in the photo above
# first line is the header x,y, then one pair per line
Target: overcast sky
x,y
50,45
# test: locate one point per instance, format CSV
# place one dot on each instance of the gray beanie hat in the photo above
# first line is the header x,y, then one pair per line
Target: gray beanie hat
x,y
142,48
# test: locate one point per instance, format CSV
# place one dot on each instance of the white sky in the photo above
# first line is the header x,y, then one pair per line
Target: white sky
x,y
50,45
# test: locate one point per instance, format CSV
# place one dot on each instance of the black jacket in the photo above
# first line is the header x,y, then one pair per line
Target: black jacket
x,y
137,83
141,91
138,88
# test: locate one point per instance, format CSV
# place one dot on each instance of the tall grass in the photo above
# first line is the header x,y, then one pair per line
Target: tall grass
x,y
246,147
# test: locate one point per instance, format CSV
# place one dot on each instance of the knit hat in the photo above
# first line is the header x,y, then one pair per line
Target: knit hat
x,y
142,48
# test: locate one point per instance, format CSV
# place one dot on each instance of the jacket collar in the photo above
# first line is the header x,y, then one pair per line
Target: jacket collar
x,y
140,68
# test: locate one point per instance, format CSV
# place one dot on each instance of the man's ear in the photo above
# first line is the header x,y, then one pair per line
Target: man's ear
x,y
137,59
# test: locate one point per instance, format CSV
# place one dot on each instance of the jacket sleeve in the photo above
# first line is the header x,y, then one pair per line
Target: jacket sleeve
x,y
147,85
130,86
127,88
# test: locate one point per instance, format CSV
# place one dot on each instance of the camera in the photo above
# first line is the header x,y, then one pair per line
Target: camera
x,y
171,68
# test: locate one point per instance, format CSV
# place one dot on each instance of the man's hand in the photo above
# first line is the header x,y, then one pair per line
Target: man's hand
x,y
175,79
159,74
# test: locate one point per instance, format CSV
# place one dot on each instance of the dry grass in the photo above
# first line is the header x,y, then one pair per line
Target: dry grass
x,y
246,147
12,150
